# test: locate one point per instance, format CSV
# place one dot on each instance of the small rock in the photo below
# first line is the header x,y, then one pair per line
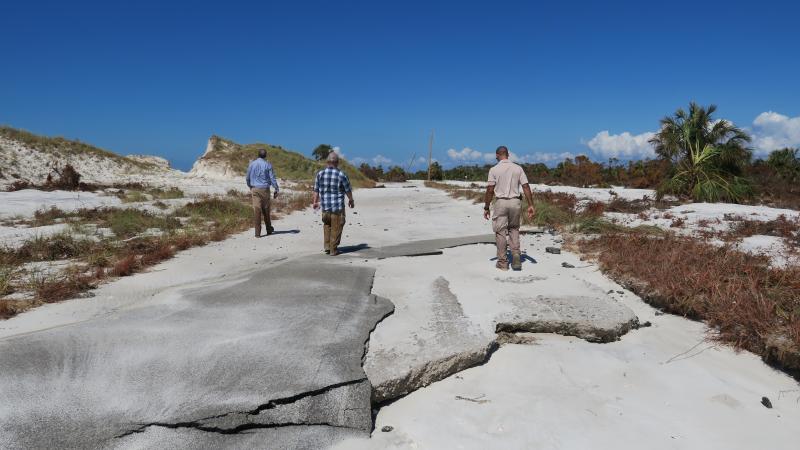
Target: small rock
x,y
553,250
659,313
610,291
385,229
765,401
355,212
387,428
620,292
567,265
646,324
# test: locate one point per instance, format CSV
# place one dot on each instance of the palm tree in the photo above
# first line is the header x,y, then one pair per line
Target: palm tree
x,y
709,156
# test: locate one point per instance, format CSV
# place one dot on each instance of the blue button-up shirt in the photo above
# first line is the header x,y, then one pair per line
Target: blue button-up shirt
x,y
261,175
331,184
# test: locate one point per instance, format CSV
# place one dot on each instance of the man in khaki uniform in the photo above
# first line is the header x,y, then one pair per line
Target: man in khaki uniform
x,y
260,176
331,185
504,184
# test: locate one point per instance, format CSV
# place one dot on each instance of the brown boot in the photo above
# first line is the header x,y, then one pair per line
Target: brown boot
x,y
501,265
516,261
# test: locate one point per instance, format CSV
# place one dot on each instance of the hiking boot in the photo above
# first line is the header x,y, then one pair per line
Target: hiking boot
x,y
501,265
327,252
270,230
334,251
516,261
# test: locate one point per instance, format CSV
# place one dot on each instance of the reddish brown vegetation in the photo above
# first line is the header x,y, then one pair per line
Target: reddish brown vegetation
x,y
747,302
124,266
62,288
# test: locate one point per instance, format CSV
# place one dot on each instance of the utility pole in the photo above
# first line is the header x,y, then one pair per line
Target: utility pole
x,y
430,155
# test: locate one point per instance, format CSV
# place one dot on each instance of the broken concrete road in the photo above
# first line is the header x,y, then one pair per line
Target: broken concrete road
x,y
280,350
449,309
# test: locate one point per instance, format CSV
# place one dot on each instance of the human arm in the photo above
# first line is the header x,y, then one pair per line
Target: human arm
x,y
247,179
273,181
487,200
348,190
315,201
529,197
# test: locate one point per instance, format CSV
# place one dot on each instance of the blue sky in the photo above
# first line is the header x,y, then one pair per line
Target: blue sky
x,y
373,78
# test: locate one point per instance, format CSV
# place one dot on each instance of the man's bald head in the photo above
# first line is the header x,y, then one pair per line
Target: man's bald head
x,y
333,159
502,151
262,153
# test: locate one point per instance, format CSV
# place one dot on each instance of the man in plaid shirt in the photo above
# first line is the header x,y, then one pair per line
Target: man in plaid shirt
x,y
330,186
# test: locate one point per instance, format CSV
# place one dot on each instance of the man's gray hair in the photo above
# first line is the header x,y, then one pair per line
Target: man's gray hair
x,y
262,153
333,158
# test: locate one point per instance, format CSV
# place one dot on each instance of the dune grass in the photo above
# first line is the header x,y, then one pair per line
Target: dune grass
x,y
288,164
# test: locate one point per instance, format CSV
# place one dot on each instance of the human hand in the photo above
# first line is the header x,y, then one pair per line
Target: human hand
x,y
531,212
351,203
316,205
486,214
275,195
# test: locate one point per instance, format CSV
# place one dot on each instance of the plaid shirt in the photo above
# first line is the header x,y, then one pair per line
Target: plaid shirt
x,y
331,184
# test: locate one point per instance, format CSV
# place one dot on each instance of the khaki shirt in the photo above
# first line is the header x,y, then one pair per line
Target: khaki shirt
x,y
507,177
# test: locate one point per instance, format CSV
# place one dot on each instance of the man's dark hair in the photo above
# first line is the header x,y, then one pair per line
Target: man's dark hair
x,y
262,153
503,150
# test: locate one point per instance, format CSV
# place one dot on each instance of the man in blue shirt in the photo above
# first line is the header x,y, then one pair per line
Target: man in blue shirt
x,y
330,186
260,176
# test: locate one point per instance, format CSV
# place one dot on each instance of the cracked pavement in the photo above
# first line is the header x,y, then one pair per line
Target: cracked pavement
x,y
278,348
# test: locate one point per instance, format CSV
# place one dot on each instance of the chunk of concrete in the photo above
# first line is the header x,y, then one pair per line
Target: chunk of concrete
x,y
591,318
410,355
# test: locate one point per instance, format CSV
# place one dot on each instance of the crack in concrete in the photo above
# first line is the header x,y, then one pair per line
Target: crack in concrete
x,y
200,424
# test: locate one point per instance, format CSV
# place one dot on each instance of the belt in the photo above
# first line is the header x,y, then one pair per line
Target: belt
x,y
510,198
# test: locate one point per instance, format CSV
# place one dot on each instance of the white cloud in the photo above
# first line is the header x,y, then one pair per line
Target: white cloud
x,y
773,131
357,160
338,151
623,145
380,160
545,157
466,154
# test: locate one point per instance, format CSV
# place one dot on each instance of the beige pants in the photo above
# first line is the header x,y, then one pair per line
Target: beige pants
x,y
332,226
261,208
505,224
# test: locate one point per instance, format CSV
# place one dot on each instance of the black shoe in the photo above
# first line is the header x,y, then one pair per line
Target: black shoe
x,y
327,252
270,230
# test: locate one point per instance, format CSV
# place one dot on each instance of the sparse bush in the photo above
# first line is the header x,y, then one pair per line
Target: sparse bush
x,y
44,217
124,266
51,248
127,223
6,275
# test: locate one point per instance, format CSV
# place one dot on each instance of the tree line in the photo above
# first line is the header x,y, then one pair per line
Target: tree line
x,y
697,157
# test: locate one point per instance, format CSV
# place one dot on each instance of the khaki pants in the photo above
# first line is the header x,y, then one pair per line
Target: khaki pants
x,y
505,224
261,208
332,226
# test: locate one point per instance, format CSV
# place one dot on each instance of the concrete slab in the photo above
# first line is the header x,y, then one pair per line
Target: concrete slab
x,y
592,318
425,247
443,342
281,347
